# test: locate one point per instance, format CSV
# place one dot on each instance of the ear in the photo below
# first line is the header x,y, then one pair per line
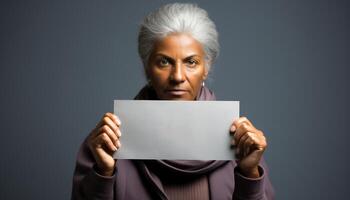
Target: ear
x,y
206,72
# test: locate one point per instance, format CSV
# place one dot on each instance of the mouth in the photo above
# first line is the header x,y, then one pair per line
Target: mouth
x,y
176,92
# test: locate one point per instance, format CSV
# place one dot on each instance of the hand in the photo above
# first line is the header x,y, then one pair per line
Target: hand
x,y
103,141
250,144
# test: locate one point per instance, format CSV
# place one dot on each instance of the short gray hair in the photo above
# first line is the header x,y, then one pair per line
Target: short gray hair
x,y
178,18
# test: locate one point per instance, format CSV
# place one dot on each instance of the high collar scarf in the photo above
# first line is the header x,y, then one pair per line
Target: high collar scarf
x,y
154,170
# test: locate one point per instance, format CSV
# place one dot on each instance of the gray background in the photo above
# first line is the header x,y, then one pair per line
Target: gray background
x,y
64,62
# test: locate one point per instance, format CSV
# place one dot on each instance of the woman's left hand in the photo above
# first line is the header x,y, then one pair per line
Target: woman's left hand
x,y
250,144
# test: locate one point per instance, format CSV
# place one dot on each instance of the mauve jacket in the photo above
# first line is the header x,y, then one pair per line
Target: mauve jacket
x,y
129,182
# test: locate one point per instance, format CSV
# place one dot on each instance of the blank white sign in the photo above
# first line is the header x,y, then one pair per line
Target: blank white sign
x,y
176,130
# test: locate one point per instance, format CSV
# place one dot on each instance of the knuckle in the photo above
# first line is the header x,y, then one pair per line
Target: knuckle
x,y
113,136
114,126
252,142
244,118
105,128
118,123
104,136
262,134
105,119
248,137
245,126
250,134
242,136
264,141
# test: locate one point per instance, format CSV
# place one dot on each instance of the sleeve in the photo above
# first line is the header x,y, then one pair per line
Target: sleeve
x,y
87,183
254,188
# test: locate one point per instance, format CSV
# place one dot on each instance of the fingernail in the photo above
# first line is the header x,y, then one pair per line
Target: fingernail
x,y
233,128
233,142
115,148
237,150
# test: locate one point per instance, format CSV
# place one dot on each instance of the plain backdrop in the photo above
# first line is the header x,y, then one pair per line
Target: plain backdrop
x,y
64,62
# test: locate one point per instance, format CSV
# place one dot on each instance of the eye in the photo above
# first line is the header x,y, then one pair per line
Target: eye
x,y
192,63
163,62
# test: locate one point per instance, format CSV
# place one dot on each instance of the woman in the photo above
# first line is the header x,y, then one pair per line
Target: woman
x,y
177,44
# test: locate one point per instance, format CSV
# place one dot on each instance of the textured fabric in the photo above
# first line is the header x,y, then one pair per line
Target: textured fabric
x,y
197,188
144,179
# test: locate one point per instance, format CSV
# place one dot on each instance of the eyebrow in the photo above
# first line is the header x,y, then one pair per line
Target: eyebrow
x,y
171,59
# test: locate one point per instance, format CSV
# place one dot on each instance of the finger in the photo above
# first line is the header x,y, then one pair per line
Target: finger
x,y
242,128
119,133
115,119
240,143
118,144
112,125
261,142
102,121
258,142
248,146
233,128
108,121
110,133
104,140
238,121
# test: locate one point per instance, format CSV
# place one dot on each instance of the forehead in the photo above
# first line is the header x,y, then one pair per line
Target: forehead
x,y
178,45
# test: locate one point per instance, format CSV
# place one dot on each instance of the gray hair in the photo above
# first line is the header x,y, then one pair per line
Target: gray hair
x,y
178,18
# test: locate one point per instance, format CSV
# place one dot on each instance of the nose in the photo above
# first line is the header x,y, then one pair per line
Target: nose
x,y
177,74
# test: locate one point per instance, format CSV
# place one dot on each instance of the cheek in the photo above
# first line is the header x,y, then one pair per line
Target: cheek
x,y
196,77
158,77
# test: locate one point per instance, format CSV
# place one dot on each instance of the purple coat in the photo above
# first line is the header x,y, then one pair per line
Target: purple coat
x,y
135,179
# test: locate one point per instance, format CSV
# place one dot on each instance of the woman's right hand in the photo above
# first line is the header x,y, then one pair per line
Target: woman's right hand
x,y
103,141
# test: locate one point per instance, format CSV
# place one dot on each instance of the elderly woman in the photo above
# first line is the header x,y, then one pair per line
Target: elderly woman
x,y
177,44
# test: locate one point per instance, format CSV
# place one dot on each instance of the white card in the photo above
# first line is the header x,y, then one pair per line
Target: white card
x,y
176,130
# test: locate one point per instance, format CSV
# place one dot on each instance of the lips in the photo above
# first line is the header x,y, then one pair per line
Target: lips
x,y
176,92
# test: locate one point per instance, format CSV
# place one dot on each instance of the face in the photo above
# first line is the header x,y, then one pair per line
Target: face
x,y
176,67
